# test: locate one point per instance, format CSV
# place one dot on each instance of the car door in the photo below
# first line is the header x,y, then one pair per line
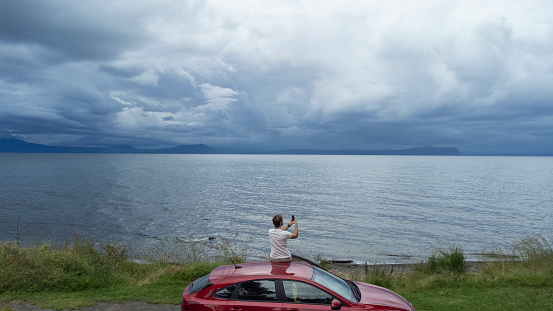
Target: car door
x,y
255,295
302,296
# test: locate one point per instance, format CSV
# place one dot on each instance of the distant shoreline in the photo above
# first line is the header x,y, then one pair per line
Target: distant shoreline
x,y
11,145
19,146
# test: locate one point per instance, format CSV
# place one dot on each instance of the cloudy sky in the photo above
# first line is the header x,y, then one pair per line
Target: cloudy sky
x,y
476,75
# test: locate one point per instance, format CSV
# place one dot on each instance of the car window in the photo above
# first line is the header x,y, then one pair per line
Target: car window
x,y
333,283
301,292
257,290
199,284
225,293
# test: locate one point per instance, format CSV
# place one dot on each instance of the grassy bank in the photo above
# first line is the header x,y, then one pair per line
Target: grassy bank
x,y
442,282
81,273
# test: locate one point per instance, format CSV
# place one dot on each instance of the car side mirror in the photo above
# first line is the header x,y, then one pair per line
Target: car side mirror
x,y
336,304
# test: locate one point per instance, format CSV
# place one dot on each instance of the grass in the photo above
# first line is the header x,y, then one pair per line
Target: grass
x,y
452,260
442,281
80,274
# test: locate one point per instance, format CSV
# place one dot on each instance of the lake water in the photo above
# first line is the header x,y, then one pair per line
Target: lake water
x,y
373,209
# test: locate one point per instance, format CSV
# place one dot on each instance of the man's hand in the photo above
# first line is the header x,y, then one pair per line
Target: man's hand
x,y
293,221
296,233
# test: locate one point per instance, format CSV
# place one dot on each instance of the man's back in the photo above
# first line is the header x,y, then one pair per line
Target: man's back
x,y
279,249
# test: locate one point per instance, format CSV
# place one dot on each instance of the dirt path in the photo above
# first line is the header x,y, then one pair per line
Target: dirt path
x,y
127,306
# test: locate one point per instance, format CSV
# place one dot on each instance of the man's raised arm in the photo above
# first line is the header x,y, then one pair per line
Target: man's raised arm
x,y
295,234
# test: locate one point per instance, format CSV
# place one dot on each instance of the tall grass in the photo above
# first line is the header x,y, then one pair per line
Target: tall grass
x,y
83,265
378,276
529,255
523,280
70,267
535,251
452,260
190,251
440,267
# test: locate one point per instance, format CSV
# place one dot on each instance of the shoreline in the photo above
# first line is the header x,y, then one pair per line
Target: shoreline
x,y
351,268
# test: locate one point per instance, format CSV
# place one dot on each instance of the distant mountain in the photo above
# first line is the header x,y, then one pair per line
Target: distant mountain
x,y
15,145
122,149
19,146
190,149
429,150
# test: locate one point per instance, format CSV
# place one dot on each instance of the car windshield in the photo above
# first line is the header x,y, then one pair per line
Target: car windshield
x,y
333,283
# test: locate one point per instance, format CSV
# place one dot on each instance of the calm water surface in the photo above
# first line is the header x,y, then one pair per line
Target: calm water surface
x,y
364,208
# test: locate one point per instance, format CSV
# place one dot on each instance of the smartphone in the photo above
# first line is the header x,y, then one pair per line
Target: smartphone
x,y
293,218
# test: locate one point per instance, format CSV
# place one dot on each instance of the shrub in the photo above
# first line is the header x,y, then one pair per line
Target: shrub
x,y
452,260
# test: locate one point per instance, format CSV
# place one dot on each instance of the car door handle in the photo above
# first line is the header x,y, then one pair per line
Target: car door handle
x,y
235,309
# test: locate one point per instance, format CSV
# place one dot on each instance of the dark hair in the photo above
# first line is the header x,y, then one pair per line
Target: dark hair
x,y
277,220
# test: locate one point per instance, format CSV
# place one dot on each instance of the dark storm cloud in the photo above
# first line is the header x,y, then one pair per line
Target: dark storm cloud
x,y
279,74
84,30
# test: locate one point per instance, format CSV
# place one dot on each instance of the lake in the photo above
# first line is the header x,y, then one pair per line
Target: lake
x,y
376,209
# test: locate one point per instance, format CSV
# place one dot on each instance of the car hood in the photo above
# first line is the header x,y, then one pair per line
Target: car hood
x,y
376,295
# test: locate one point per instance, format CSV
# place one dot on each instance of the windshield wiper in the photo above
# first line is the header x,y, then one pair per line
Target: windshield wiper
x,y
355,290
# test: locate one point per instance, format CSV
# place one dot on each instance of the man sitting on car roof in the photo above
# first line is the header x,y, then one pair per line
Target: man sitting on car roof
x,y
278,237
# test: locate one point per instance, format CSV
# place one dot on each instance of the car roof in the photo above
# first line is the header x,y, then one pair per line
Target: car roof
x,y
262,269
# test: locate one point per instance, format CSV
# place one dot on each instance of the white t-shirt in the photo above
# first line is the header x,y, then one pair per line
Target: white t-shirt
x,y
278,239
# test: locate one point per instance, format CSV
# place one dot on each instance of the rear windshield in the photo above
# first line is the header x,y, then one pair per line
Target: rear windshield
x,y
199,284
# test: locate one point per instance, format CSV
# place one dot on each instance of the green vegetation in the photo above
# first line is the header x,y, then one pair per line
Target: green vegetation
x,y
82,273
453,260
443,283
321,261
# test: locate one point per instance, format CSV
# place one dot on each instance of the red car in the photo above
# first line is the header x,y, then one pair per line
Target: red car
x,y
285,286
